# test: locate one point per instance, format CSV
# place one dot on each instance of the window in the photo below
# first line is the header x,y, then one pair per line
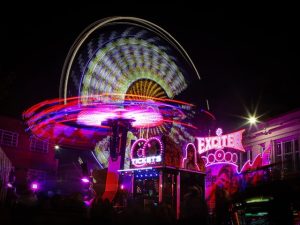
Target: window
x,y
278,155
249,155
287,147
278,149
287,155
296,145
297,155
37,145
8,138
243,158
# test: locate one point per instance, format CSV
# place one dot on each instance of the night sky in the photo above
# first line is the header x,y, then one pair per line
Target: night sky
x,y
241,53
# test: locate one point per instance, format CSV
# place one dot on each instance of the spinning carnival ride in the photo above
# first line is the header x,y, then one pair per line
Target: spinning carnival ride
x,y
128,56
73,123
120,78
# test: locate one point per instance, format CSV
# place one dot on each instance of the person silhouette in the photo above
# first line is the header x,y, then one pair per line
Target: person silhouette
x,y
194,207
190,161
218,195
222,196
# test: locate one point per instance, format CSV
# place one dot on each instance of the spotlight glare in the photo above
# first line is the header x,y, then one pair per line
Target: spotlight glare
x,y
34,186
252,120
85,180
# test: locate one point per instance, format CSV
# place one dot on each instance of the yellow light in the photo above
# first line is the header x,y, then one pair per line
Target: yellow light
x,y
252,120
259,199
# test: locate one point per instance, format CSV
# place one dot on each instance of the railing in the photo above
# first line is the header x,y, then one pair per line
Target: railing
x,y
266,174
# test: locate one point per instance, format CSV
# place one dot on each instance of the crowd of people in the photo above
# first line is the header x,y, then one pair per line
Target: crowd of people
x,y
39,208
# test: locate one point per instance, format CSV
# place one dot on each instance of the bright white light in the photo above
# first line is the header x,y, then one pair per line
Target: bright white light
x,y
56,147
85,180
252,120
34,186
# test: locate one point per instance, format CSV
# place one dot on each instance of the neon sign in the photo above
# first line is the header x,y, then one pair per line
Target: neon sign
x,y
220,157
145,152
232,140
146,160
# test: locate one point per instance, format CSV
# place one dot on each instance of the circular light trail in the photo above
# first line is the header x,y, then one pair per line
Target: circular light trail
x,y
129,55
75,120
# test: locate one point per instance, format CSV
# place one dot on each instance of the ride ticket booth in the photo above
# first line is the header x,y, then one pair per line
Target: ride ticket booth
x,y
160,172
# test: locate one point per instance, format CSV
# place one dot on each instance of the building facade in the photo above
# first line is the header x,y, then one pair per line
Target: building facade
x,y
31,159
5,168
279,137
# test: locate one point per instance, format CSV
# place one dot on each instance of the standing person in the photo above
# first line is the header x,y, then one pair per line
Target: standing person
x,y
190,162
223,181
200,163
219,194
194,207
223,197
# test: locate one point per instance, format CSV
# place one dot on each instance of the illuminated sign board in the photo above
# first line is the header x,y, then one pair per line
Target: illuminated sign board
x,y
146,151
146,160
232,140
